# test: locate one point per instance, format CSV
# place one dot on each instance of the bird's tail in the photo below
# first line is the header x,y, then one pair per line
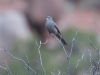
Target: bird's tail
x,y
61,39
64,42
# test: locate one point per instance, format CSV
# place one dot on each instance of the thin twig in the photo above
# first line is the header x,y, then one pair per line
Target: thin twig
x,y
77,64
37,67
95,68
8,68
91,55
59,72
98,51
73,43
68,68
52,73
28,65
93,45
91,66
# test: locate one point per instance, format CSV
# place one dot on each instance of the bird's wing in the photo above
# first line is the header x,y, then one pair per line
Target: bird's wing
x,y
57,28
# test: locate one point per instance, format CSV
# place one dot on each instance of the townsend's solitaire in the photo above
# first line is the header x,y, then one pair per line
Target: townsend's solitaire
x,y
52,28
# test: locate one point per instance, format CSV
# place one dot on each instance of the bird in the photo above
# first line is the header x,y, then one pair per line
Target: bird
x,y
52,28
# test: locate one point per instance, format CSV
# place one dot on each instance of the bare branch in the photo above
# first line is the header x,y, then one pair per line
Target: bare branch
x,y
68,68
39,46
95,69
91,66
62,46
6,68
18,60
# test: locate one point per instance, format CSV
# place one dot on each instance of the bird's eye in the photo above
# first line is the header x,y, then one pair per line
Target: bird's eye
x,y
48,16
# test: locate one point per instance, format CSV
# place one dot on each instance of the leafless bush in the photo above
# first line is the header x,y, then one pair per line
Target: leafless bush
x,y
68,56
94,65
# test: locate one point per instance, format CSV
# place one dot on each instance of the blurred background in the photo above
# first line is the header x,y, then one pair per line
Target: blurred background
x,y
23,21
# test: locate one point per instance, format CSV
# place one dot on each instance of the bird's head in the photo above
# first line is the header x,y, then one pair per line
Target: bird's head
x,y
48,18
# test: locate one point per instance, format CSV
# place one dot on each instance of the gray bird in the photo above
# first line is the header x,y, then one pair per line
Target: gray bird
x,y
52,28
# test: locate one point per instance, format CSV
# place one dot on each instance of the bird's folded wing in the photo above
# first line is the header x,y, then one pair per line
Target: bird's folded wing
x,y
57,29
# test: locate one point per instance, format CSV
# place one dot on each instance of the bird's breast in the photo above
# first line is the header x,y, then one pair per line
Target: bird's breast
x,y
50,27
